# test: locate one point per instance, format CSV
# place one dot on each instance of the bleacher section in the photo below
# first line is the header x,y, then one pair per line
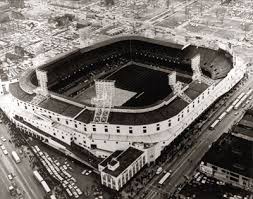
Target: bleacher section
x,y
17,92
60,107
25,84
70,74
214,64
84,64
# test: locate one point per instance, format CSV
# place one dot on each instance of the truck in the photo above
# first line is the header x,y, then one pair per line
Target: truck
x,y
214,124
15,157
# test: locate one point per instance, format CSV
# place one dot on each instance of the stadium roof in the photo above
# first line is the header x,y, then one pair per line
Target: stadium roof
x,y
232,153
60,107
160,114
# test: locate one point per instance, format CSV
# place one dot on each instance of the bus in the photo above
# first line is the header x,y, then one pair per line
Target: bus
x,y
214,124
243,99
164,178
229,109
240,102
45,186
15,157
37,176
222,116
235,102
241,95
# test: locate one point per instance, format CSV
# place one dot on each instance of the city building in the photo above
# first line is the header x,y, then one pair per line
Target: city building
x,y
117,169
129,91
244,127
230,159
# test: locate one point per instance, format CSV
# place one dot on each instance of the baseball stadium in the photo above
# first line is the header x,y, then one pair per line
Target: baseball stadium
x,y
123,99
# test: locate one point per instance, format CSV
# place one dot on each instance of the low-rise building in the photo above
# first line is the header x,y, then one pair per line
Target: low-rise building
x,y
117,169
230,159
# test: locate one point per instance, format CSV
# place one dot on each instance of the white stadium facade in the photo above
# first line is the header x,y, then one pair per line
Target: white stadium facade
x,y
146,92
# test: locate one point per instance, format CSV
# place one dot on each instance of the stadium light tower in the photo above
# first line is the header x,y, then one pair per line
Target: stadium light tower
x,y
42,79
177,87
195,64
105,92
197,73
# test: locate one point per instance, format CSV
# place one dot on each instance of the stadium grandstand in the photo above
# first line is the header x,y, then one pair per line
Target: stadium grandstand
x,y
124,92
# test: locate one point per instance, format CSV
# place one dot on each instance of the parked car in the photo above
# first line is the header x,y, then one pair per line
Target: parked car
x,y
3,139
5,152
10,176
159,170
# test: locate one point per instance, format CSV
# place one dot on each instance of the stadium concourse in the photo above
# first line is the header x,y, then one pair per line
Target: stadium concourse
x,y
157,89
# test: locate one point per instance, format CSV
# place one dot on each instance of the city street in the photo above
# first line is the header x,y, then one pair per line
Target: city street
x,y
23,172
183,166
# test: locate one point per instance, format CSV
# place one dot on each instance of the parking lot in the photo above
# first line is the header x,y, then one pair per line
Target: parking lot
x,y
72,173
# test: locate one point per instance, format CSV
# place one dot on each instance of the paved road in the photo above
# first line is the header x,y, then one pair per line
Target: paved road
x,y
22,171
187,163
161,16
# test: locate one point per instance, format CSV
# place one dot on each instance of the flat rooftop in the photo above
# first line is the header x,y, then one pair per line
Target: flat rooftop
x,y
125,158
109,158
232,153
245,125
